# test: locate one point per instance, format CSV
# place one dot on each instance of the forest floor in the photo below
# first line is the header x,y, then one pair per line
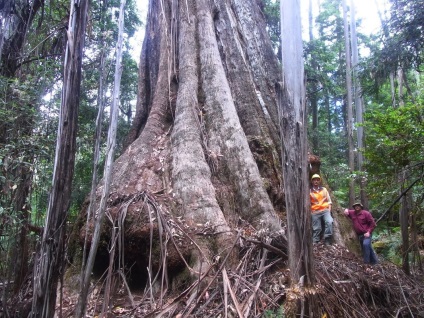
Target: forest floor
x,y
259,285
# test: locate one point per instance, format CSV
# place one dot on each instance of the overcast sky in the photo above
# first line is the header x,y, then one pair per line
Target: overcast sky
x,y
366,11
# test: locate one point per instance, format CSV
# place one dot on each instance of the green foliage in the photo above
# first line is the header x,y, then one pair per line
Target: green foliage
x,y
400,45
406,28
272,16
129,86
394,138
389,243
29,105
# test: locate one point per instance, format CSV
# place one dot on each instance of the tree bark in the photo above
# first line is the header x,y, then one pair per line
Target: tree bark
x,y
15,20
81,307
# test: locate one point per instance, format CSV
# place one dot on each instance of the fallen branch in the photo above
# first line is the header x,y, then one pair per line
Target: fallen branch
x,y
227,282
398,198
267,246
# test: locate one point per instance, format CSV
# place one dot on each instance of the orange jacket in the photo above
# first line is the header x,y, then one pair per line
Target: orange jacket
x,y
320,199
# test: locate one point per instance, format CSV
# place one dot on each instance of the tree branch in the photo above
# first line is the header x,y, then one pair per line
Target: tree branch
x,y
399,197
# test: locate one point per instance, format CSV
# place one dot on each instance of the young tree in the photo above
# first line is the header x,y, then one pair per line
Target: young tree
x,y
349,106
111,143
314,83
50,259
357,92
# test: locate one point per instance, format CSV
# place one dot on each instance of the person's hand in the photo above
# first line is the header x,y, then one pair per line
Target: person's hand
x,y
367,234
346,211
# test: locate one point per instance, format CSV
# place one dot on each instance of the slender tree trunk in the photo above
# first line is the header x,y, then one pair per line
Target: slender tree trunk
x,y
314,88
328,112
97,142
15,21
111,144
22,207
400,86
393,89
294,159
415,243
81,306
50,260
359,106
349,105
404,223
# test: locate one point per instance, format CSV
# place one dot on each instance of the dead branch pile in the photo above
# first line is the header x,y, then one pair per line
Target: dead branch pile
x,y
259,281
255,284
353,289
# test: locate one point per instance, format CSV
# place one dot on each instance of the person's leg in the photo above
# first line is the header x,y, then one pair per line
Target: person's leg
x,y
316,227
373,255
366,250
328,227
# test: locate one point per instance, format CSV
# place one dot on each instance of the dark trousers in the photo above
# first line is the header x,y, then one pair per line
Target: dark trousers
x,y
367,251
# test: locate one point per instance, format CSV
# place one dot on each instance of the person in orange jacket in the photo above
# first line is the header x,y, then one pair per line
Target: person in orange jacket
x,y
320,211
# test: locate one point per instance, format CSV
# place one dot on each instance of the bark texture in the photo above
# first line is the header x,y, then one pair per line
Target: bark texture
x,y
204,146
293,132
17,17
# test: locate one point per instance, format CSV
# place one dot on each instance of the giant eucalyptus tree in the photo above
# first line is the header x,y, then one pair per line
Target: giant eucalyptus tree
x,y
204,147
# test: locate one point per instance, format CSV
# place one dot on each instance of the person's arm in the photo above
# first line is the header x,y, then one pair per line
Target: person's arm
x,y
330,204
371,225
346,212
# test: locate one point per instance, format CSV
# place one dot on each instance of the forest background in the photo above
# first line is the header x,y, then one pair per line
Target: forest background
x,y
384,164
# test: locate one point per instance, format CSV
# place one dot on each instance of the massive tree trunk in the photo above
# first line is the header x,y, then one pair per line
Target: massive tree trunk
x,y
204,146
